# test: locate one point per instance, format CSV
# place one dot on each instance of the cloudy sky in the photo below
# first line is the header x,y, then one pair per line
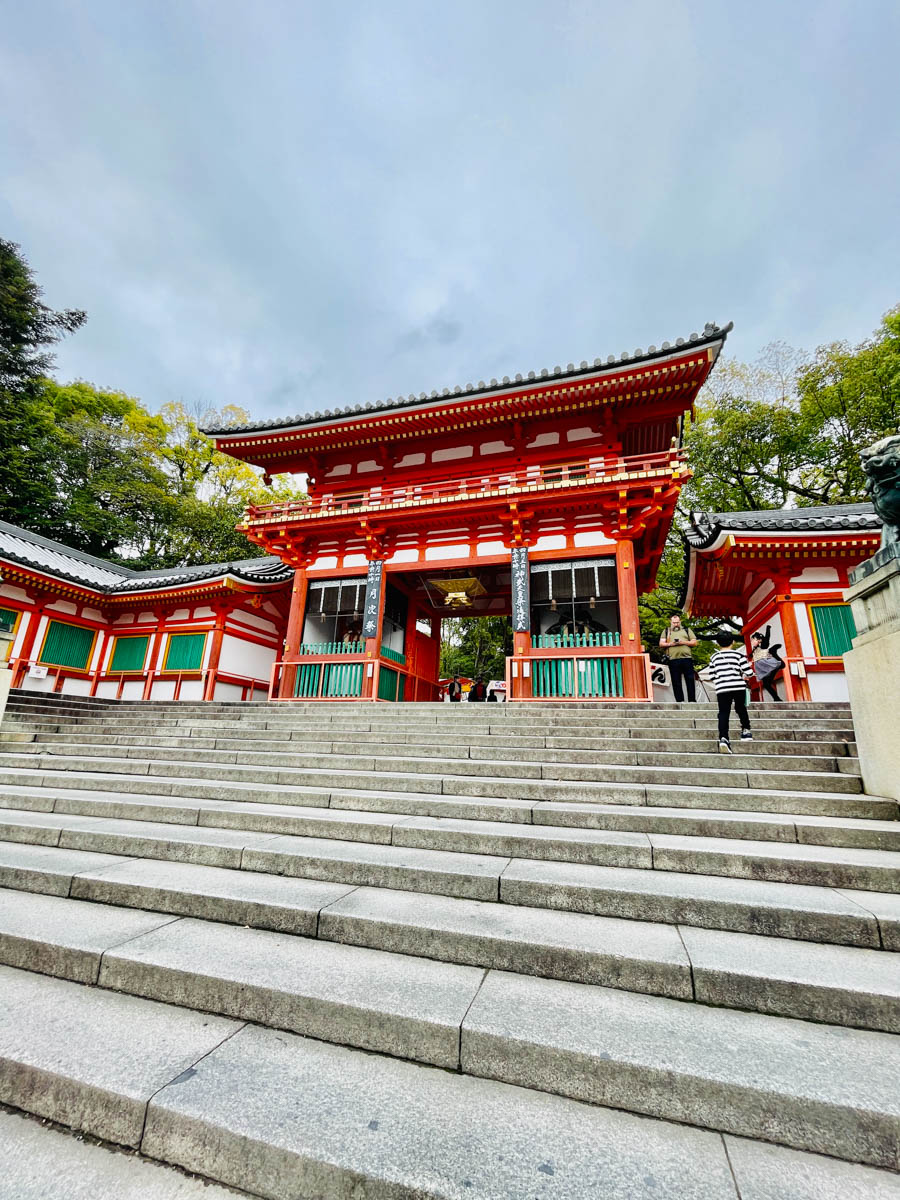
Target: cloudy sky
x,y
294,204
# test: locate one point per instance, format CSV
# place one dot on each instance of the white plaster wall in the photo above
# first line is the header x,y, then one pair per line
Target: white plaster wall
x,y
828,685
485,548
108,690
436,553
38,685
452,453
164,689
245,658
756,598
807,645
591,538
13,593
229,691
62,606
254,619
550,541
817,575
205,611
777,630
76,687
93,614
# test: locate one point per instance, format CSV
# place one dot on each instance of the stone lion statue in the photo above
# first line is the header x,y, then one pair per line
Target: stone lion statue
x,y
881,463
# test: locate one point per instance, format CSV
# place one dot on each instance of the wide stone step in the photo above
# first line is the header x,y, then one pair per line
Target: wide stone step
x,y
529,779
825,1088
472,857
283,1116
498,751
292,904
569,747
454,796
372,962
364,825
41,1163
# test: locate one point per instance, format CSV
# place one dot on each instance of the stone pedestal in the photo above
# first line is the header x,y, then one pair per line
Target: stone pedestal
x,y
873,669
5,684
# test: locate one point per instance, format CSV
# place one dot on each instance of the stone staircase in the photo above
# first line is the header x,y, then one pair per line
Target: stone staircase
x,y
410,951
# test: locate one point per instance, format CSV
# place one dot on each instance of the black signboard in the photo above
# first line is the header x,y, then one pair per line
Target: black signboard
x,y
521,592
373,598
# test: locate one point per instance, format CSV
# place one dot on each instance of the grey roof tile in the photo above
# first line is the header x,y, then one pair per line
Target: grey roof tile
x,y
62,562
711,333
706,526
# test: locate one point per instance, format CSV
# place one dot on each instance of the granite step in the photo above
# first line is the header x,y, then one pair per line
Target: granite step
x,y
411,772
292,904
471,855
282,1116
826,1088
363,979
451,796
361,824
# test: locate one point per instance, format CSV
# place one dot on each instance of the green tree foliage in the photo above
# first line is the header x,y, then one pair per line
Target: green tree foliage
x,y
94,469
28,328
475,646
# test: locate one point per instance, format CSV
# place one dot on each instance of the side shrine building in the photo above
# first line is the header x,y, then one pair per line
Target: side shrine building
x,y
546,498
783,573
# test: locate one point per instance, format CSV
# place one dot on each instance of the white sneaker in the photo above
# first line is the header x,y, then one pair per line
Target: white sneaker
x,y
724,746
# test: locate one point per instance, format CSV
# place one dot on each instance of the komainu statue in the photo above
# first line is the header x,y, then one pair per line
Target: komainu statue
x,y
881,463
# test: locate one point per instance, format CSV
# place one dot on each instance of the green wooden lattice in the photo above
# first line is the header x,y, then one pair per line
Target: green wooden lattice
x,y
835,628
129,653
185,652
393,655
67,646
7,619
387,683
562,641
325,648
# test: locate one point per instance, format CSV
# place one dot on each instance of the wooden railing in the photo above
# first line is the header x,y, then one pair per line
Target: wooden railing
x,y
561,641
208,679
606,673
528,480
393,655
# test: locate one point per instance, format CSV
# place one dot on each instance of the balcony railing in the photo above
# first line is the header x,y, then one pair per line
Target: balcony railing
x,y
607,673
526,481
562,641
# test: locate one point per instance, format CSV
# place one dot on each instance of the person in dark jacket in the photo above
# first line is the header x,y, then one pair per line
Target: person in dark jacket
x,y
454,691
478,692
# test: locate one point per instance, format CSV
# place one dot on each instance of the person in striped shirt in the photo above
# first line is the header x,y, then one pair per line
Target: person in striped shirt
x,y
730,670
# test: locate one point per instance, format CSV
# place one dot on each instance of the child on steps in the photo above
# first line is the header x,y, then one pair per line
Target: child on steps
x,y
730,670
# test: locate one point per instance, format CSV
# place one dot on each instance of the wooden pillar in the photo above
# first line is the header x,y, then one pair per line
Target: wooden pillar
x,y
153,656
104,646
629,619
215,653
795,687
373,625
31,629
294,636
520,575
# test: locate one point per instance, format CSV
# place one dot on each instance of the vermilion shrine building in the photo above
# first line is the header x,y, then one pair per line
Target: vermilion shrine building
x,y
547,497
785,570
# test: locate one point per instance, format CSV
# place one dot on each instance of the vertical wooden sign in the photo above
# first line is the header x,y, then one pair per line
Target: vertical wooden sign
x,y
521,590
373,598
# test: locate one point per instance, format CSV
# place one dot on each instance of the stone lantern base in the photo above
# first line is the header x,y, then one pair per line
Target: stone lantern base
x,y
873,669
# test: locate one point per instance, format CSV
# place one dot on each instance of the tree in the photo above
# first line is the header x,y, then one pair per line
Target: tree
x,y
783,432
475,646
27,329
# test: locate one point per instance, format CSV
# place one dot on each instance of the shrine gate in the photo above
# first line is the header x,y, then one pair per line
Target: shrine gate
x,y
546,498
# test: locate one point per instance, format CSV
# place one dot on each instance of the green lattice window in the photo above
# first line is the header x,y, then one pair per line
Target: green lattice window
x,y
387,684
67,646
129,653
185,652
7,619
835,629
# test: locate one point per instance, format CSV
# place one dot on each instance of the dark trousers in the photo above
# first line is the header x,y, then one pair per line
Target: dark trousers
x,y
739,700
681,671
769,685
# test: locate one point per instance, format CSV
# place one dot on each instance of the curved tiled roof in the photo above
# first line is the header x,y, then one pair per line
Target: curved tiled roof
x,y
707,526
711,333
62,562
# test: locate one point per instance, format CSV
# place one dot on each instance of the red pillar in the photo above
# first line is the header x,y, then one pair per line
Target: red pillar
x,y
98,671
373,639
21,664
153,657
795,687
215,653
294,636
629,619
